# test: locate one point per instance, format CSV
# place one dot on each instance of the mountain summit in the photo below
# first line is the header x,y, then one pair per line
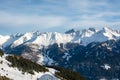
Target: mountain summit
x,y
84,37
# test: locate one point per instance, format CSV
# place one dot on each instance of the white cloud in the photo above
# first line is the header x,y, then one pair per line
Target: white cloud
x,y
86,5
93,23
58,13
99,16
17,20
50,21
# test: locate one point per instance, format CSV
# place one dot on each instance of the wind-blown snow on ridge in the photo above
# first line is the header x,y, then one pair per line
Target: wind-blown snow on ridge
x,y
83,37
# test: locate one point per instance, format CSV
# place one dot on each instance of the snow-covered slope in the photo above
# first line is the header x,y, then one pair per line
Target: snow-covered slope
x,y
83,37
3,39
15,74
101,36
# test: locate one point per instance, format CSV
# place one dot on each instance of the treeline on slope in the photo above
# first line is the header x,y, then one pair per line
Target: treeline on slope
x,y
25,65
1,53
65,74
4,78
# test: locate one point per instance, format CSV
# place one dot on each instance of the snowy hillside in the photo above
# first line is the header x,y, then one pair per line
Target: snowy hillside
x,y
83,37
13,67
16,74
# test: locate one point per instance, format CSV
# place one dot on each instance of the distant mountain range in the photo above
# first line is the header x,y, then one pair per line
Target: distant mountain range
x,y
82,37
93,53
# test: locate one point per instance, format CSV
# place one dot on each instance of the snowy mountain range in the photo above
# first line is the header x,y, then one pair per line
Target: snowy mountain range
x,y
83,37
93,53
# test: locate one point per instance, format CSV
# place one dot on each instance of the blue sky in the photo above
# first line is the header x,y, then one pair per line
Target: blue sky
x,y
57,15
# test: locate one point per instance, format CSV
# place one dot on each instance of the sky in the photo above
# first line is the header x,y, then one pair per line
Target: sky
x,y
20,16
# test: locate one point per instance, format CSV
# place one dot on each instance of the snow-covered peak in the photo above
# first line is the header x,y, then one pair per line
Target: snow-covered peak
x,y
22,39
106,29
110,34
18,34
87,33
52,37
84,37
70,31
93,29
